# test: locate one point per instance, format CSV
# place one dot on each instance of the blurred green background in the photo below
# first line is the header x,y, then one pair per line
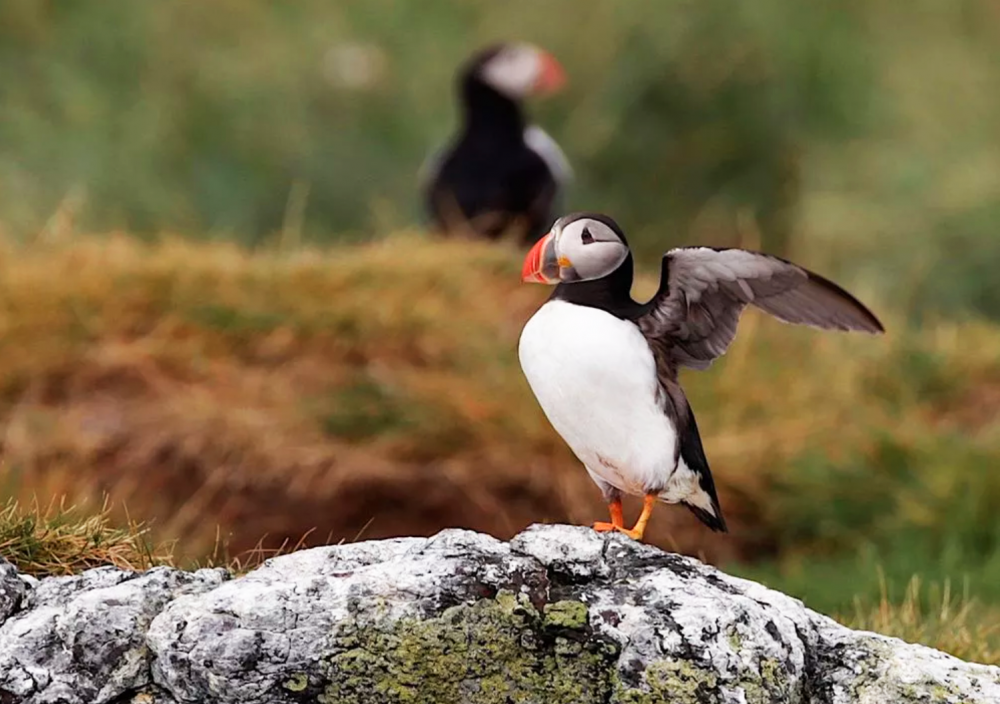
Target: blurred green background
x,y
856,134
859,138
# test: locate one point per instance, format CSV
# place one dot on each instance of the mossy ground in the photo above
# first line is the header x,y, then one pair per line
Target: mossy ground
x,y
497,651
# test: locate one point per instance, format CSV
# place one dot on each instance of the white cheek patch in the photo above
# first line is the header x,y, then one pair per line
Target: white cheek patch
x,y
592,261
606,257
598,258
514,71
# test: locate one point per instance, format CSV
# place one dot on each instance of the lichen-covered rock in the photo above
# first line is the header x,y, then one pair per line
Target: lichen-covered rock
x,y
83,638
559,614
12,589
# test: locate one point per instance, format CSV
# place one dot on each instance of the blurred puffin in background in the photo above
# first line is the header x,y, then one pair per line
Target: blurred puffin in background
x,y
499,174
604,367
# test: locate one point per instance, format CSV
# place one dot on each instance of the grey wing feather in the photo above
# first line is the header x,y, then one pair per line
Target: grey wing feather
x,y
431,166
542,144
704,291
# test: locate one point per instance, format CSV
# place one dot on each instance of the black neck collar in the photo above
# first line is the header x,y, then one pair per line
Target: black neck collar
x,y
611,293
487,111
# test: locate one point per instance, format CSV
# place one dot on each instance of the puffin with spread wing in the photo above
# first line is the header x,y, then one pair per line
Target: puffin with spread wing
x,y
604,367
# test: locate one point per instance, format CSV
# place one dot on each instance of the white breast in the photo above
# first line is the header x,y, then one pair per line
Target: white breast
x,y
595,379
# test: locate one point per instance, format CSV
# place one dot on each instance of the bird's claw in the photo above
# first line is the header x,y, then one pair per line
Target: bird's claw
x,y
633,533
604,527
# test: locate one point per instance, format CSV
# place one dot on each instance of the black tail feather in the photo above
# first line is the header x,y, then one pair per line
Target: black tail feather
x,y
693,453
716,522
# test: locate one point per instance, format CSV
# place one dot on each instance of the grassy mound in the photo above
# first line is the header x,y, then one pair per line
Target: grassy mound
x,y
371,391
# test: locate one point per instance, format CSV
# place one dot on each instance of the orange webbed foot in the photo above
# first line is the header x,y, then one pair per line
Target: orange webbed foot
x,y
617,521
639,530
633,533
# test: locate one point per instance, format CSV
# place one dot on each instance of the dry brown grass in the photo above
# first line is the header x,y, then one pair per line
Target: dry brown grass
x,y
372,391
954,623
271,395
60,540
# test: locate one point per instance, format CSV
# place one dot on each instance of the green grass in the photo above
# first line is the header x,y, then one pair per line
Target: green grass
x,y
916,495
856,136
56,539
934,616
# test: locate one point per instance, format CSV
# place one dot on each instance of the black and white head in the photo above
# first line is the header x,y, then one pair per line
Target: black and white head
x,y
579,247
516,70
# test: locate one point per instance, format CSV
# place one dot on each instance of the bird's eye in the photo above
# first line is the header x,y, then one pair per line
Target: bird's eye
x,y
586,237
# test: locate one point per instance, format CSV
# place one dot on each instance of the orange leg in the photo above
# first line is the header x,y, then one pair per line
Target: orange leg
x,y
637,532
617,521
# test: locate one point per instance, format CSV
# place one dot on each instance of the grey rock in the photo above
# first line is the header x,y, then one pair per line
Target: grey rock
x,y
12,589
558,614
83,638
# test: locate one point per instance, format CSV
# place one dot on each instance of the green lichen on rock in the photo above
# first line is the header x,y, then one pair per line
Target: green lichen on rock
x,y
734,639
674,681
867,682
909,693
504,651
944,692
871,678
496,651
945,695
925,691
773,684
566,614
297,682
682,682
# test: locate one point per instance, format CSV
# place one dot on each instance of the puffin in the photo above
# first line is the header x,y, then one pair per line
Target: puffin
x,y
604,367
499,173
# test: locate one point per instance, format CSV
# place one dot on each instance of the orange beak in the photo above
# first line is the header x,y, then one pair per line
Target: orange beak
x,y
540,264
552,77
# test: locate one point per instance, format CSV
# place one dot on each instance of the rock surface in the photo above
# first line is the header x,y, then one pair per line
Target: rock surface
x,y
559,614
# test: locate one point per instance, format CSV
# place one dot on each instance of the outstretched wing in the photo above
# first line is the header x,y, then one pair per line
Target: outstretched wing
x,y
703,291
